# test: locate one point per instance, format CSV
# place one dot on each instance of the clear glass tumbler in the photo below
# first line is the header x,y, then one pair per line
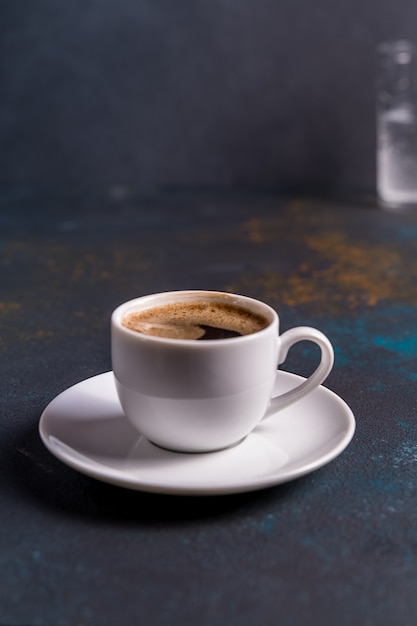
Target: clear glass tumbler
x,y
397,125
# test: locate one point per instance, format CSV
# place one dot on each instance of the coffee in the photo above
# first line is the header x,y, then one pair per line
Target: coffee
x,y
195,320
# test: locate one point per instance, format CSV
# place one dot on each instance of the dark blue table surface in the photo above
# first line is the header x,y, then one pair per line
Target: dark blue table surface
x,y
338,546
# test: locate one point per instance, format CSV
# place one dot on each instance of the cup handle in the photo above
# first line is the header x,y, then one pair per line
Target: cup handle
x,y
288,339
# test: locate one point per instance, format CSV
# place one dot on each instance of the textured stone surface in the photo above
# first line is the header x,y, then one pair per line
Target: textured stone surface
x,y
336,547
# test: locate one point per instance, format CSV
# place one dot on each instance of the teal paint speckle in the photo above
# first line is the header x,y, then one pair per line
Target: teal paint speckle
x,y
267,524
405,345
376,331
406,454
378,386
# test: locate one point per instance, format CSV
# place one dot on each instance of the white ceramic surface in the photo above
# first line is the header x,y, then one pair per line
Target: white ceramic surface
x,y
200,396
86,429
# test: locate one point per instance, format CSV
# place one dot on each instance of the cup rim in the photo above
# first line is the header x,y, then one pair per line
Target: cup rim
x,y
189,295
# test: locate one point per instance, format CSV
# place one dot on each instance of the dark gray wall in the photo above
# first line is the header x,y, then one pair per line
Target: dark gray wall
x,y
277,93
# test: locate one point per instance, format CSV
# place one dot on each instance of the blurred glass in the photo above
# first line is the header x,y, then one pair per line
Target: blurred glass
x,y
396,125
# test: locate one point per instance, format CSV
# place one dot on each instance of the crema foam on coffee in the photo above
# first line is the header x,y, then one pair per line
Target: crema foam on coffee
x,y
195,320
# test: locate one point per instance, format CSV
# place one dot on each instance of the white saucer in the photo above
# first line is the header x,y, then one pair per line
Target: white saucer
x,y
85,428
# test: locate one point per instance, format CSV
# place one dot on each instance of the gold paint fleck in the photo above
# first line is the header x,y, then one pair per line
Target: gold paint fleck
x,y
6,307
41,334
334,270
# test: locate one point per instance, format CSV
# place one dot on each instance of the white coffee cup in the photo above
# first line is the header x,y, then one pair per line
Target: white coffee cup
x,y
201,396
